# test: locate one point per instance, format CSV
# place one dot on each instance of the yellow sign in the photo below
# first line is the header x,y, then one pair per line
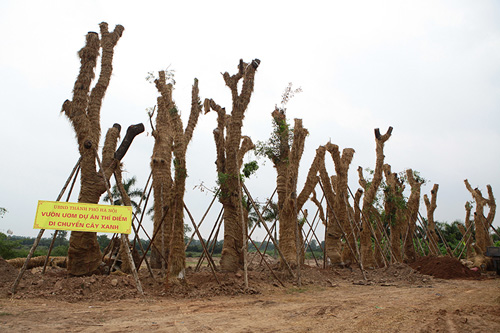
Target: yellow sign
x,y
83,217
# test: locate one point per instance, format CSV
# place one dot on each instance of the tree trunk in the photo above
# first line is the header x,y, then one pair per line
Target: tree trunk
x,y
230,151
483,239
367,256
171,139
431,206
412,215
394,206
339,219
84,255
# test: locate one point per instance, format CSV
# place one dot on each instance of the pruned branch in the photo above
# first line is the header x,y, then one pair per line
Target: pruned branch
x,y
108,42
195,112
132,132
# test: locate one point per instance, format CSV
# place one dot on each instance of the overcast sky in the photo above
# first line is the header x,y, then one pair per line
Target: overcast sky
x,y
430,69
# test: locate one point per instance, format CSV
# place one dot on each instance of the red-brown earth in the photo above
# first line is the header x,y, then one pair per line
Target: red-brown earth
x,y
394,299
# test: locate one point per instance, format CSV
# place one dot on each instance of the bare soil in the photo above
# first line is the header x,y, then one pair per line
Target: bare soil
x,y
393,299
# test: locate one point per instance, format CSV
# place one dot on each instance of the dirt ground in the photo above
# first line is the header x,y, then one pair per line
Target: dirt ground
x,y
393,299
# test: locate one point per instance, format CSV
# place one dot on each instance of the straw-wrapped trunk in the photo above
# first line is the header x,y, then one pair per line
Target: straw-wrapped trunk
x,y
431,206
469,231
84,255
482,223
367,255
412,215
171,140
395,210
335,189
285,149
231,148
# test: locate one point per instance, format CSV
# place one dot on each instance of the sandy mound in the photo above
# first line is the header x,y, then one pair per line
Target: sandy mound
x,y
444,268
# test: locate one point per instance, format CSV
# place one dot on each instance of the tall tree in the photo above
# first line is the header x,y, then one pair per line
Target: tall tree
x,y
285,149
370,190
394,210
84,255
171,140
482,223
335,188
431,206
231,148
412,214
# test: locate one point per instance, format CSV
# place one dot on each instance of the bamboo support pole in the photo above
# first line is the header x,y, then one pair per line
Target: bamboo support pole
x,y
123,237
267,264
377,242
255,226
40,233
276,246
265,240
244,230
326,234
469,229
212,242
418,241
363,217
57,231
108,248
356,254
263,210
465,245
307,235
203,218
143,195
212,264
312,227
136,231
297,240
430,241
143,211
442,239
151,242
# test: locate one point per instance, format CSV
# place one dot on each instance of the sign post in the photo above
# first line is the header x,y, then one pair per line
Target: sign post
x,y
58,215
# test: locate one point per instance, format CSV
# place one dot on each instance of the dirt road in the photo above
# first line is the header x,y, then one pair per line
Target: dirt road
x,y
442,306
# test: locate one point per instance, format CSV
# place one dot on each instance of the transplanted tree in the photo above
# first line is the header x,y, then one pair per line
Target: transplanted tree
x,y
171,140
335,189
412,214
394,210
468,231
431,206
370,191
231,147
481,223
285,149
84,255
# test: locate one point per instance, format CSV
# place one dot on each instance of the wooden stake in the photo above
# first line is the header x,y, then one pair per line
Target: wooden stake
x,y
123,237
40,233
203,218
276,246
57,231
212,264
358,257
211,242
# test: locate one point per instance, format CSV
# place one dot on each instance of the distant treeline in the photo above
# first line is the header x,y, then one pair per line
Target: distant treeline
x,y
19,246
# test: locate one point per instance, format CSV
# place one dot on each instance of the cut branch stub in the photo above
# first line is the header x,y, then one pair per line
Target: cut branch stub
x,y
132,132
